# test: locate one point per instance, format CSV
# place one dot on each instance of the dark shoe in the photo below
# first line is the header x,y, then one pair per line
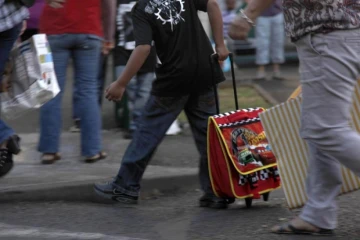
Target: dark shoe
x,y
101,155
13,144
6,162
212,201
50,158
129,134
109,191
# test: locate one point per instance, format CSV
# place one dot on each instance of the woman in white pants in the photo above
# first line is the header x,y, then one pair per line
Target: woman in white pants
x,y
270,39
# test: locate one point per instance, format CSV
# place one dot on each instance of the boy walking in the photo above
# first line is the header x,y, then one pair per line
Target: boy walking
x,y
184,81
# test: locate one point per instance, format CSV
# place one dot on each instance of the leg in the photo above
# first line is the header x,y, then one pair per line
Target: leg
x,y
102,76
329,67
50,113
87,50
159,113
144,84
7,40
320,210
262,45
277,43
198,110
131,92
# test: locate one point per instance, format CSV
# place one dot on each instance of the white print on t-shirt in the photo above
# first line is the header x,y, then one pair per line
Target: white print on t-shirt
x,y
167,11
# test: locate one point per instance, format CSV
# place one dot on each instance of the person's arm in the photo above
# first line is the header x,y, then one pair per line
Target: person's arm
x,y
241,26
256,7
143,38
135,62
108,12
216,23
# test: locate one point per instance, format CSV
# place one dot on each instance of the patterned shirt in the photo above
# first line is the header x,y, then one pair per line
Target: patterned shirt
x,y
320,16
11,14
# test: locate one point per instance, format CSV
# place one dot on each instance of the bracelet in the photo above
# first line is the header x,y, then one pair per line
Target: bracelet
x,y
243,15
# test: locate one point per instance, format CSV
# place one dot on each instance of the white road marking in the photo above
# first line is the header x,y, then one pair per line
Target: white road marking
x,y
34,232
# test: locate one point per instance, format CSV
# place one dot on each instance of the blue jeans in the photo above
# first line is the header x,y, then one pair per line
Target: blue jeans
x,y
101,78
270,40
138,92
7,40
84,49
159,113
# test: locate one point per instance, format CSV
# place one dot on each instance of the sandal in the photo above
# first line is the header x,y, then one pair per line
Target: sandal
x,y
288,228
50,158
101,155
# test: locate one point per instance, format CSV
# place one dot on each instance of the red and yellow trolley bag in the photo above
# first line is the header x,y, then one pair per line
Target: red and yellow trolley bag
x,y
241,163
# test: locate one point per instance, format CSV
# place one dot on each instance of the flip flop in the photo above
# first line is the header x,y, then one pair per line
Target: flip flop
x,y
101,155
290,229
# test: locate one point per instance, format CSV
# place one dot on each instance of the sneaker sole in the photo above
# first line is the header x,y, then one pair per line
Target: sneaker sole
x,y
114,197
6,169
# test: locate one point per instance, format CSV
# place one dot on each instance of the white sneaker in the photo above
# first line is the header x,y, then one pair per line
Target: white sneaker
x,y
76,127
174,129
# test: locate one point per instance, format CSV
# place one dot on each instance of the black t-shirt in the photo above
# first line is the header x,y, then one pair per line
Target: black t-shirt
x,y
181,43
125,41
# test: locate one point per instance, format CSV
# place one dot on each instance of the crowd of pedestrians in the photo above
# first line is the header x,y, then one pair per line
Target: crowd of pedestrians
x,y
162,65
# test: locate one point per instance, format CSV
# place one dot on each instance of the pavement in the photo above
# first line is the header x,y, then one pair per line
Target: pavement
x,y
174,165
38,200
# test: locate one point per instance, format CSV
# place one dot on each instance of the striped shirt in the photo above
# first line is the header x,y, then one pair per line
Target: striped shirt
x,y
11,14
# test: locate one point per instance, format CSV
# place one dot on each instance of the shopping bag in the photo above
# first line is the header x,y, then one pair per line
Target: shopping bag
x,y
32,78
282,124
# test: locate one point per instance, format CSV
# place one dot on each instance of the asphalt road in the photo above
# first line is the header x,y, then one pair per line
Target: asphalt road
x,y
166,217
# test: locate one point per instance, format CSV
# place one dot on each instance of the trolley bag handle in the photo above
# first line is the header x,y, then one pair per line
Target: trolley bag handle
x,y
213,59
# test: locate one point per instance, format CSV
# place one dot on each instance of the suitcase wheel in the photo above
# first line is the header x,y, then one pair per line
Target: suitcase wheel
x,y
230,200
266,196
248,202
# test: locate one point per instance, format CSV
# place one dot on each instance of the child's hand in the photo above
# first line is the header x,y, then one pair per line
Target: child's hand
x,y
115,91
222,51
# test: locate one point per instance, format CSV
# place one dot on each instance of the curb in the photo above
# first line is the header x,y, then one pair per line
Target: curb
x,y
265,94
82,191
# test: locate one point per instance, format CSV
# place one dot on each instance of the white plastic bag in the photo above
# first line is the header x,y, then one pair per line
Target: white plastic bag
x,y
33,80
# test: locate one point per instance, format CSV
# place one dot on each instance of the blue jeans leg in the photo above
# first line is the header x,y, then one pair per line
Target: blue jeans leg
x,y
50,113
101,82
159,113
102,76
198,110
86,55
138,92
7,40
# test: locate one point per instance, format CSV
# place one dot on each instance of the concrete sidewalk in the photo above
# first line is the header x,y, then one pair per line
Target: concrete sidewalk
x,y
72,179
174,166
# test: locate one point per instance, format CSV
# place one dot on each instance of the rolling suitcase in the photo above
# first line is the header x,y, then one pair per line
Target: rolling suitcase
x,y
241,163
